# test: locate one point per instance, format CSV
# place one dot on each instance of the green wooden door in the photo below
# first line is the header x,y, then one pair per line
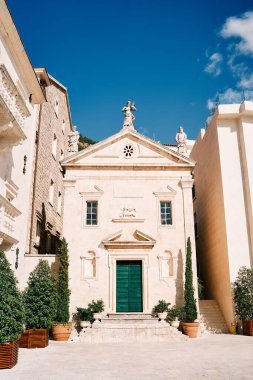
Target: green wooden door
x,y
129,286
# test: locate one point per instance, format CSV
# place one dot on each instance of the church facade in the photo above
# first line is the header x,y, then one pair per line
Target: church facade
x,y
127,215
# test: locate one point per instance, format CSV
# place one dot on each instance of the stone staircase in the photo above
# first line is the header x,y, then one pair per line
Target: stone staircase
x,y
130,327
212,316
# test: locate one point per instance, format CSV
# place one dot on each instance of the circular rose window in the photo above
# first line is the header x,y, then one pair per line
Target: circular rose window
x,y
128,151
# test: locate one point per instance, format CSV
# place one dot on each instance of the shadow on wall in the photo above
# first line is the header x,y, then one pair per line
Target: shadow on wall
x,y
180,280
43,232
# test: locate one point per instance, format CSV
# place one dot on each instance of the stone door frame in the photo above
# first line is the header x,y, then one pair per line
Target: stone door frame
x,y
115,256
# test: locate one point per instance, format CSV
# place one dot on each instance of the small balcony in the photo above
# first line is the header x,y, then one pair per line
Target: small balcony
x,y
8,215
13,112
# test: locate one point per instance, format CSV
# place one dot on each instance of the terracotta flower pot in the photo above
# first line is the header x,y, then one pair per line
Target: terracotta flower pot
x,y
191,329
8,354
61,332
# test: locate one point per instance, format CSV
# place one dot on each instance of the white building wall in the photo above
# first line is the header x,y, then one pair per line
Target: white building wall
x,y
17,108
140,189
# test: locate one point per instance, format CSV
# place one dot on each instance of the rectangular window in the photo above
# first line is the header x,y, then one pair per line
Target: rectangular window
x,y
166,213
51,192
91,213
59,203
54,146
38,232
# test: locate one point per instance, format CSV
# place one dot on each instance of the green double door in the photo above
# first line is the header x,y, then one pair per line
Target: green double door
x,y
129,286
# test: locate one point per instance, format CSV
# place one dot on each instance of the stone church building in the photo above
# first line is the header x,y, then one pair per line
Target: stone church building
x,y
127,215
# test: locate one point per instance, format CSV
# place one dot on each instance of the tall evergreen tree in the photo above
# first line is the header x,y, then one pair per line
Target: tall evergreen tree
x,y
62,315
40,298
190,302
11,304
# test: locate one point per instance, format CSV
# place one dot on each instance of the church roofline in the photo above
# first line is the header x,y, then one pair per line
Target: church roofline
x,y
124,132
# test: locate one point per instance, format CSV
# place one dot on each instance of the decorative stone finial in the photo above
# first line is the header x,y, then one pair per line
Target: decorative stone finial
x,y
128,115
181,139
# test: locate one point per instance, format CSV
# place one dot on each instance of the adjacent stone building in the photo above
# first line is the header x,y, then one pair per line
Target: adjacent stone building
x,y
55,139
36,134
223,200
127,215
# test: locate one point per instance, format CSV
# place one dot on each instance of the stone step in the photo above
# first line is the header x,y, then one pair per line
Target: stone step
x,y
133,320
142,332
212,316
130,315
130,325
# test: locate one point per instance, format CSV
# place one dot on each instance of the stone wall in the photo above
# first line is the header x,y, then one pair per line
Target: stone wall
x,y
52,142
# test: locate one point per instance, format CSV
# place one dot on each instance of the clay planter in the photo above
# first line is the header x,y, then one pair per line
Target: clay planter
x,y
61,332
162,316
34,338
247,328
191,329
8,354
175,323
97,316
84,324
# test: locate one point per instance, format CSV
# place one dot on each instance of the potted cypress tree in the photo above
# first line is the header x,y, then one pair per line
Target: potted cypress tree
x,y
61,326
40,301
190,309
243,299
11,315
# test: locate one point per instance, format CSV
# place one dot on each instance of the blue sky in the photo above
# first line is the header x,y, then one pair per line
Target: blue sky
x,y
171,57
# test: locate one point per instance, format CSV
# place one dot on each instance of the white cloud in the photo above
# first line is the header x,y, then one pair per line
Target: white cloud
x,y
238,56
230,96
210,104
240,27
246,81
214,65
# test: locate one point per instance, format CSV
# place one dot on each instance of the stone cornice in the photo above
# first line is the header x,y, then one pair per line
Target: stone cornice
x,y
96,166
12,98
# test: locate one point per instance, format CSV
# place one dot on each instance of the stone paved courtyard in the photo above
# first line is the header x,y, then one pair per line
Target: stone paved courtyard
x,y
211,357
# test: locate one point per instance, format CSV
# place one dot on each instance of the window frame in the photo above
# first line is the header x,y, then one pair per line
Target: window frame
x,y
86,213
159,216
171,214
89,257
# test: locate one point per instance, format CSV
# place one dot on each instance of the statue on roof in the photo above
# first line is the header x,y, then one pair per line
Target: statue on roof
x,y
181,139
128,115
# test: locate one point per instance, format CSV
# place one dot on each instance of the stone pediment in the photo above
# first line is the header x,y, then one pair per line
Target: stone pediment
x,y
126,149
125,240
